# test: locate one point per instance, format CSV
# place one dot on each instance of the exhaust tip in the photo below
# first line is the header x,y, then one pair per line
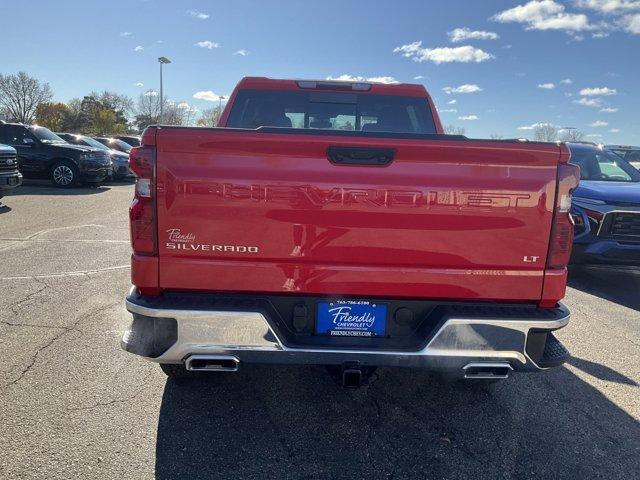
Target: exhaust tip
x,y
487,370
212,363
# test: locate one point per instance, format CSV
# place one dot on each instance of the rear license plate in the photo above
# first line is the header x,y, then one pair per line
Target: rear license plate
x,y
351,318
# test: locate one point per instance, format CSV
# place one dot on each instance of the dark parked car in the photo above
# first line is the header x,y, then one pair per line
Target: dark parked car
x,y
130,139
114,144
10,177
629,153
119,160
605,208
43,154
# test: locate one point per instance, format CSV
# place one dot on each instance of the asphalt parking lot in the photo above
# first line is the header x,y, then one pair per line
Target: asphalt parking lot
x,y
73,405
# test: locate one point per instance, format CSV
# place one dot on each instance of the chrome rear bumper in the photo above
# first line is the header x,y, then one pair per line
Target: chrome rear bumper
x,y
248,337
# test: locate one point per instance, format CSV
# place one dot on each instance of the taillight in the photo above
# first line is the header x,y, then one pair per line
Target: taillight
x,y
142,212
562,227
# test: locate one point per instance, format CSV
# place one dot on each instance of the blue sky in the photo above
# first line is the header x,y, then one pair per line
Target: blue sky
x,y
574,63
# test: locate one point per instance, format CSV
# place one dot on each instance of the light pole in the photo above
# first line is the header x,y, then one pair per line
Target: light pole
x,y
162,61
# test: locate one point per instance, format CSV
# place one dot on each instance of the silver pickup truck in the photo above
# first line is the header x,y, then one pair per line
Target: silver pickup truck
x,y
10,176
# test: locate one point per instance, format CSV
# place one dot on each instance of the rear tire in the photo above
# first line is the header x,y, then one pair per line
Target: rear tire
x,y
64,174
177,371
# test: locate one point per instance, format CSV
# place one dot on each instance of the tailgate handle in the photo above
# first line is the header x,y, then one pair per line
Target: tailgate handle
x,y
360,156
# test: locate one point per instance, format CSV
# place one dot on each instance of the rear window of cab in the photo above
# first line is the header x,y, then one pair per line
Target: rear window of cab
x,y
331,111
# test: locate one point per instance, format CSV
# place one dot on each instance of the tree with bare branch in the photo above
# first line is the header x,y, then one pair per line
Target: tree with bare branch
x,y
147,109
178,113
210,117
545,132
114,101
453,130
571,135
20,96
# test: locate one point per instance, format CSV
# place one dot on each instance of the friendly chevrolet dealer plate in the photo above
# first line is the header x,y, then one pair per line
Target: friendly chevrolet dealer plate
x,y
351,318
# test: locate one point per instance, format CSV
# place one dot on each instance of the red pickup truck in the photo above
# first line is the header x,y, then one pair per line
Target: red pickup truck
x,y
334,223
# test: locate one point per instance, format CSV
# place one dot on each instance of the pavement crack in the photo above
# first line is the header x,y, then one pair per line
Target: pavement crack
x,y
62,333
14,306
32,325
110,402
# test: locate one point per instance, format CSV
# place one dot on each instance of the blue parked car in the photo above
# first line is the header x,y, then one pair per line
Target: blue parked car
x,y
605,208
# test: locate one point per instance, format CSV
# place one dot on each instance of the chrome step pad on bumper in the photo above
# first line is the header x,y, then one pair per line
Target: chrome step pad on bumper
x,y
466,336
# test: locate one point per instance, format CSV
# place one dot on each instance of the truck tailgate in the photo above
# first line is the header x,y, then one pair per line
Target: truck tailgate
x,y
251,211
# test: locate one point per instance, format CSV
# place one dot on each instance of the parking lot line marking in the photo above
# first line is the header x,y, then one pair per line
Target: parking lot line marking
x,y
62,240
75,273
42,232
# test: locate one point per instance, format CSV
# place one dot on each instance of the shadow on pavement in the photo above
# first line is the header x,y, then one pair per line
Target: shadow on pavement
x,y
618,285
4,208
295,422
601,371
44,187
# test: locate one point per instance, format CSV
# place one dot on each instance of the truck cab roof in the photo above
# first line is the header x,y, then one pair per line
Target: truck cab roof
x,y
401,89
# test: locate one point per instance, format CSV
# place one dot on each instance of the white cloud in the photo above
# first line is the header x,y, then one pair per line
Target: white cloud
x,y
197,14
357,78
468,117
185,106
452,102
599,35
589,102
566,81
615,130
151,93
598,92
461,34
382,80
409,50
609,110
546,86
598,123
448,110
609,6
126,34
464,54
208,44
593,135
418,77
209,96
466,88
242,52
630,23
139,84
139,48
535,125
544,15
